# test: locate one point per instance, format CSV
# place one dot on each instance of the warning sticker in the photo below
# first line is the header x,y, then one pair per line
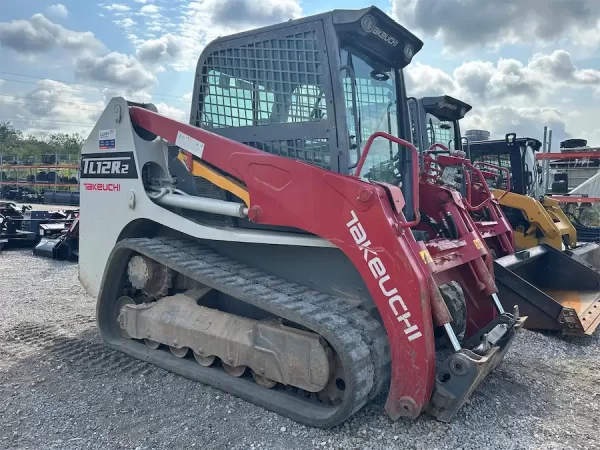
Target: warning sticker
x,y
107,139
478,244
426,256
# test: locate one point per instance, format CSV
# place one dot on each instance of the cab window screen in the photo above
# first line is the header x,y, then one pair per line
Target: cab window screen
x,y
262,83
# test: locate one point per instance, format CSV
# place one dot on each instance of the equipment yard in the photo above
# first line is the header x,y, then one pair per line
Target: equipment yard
x,y
62,387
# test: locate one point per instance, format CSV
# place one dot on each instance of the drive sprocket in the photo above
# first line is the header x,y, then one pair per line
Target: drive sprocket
x,y
153,279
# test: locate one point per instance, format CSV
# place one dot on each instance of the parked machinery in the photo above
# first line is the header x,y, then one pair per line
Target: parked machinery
x,y
59,240
248,240
554,288
23,226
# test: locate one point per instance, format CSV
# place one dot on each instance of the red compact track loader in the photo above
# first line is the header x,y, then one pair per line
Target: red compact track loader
x,y
273,247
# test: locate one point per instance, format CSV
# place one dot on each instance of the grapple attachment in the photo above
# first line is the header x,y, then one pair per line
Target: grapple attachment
x,y
554,290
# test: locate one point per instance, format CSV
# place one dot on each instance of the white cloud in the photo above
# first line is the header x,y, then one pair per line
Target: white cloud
x,y
127,22
483,82
464,24
40,35
52,107
251,13
510,96
423,80
117,7
172,112
162,50
149,9
116,69
528,122
559,68
592,136
59,10
226,17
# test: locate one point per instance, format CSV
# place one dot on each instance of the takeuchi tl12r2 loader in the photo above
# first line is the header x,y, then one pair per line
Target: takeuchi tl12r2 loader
x,y
246,252
556,289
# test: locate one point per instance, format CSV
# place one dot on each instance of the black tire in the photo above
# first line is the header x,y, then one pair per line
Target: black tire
x,y
560,187
573,143
561,176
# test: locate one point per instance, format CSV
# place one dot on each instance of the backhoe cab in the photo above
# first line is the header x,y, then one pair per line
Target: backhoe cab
x,y
276,237
557,290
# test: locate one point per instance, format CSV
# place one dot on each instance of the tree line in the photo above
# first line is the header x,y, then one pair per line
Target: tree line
x,y
14,143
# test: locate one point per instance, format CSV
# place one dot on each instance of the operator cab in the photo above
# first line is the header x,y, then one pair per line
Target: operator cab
x,y
314,89
440,117
517,155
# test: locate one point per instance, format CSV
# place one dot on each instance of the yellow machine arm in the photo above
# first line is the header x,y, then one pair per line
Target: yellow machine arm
x,y
202,170
547,218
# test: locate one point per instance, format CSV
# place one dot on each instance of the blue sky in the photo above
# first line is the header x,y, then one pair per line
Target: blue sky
x,y
522,64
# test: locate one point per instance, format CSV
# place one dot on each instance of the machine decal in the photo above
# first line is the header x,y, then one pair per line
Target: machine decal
x,y
444,104
109,187
426,256
194,146
379,272
108,165
369,25
478,244
107,139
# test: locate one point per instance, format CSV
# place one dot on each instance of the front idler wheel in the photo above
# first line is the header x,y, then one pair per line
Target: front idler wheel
x,y
119,304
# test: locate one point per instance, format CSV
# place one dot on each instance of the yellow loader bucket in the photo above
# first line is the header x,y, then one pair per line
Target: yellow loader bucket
x,y
556,291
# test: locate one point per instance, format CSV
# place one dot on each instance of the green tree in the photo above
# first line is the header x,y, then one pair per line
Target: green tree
x,y
13,143
10,139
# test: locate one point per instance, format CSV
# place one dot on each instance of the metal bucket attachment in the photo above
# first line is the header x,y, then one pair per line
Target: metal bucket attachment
x,y
46,248
556,291
587,253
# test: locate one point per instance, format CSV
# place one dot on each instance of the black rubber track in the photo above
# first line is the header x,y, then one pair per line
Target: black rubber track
x,y
358,339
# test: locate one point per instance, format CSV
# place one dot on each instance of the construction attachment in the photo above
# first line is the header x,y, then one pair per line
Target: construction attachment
x,y
553,289
59,242
46,231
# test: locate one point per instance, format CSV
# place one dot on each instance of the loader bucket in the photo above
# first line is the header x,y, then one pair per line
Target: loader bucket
x,y
46,248
556,291
588,254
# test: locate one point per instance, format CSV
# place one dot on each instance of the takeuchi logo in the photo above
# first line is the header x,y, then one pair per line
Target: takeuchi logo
x,y
379,272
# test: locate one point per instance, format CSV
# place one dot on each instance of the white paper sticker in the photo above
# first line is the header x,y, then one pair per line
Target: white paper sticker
x,y
194,146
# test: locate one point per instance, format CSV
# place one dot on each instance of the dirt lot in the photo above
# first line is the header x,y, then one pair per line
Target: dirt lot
x,y
61,388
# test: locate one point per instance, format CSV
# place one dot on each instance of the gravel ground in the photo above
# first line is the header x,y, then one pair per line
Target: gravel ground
x,y
61,388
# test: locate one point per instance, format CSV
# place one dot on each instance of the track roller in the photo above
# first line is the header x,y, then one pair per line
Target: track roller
x,y
205,361
152,344
179,352
234,371
263,381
